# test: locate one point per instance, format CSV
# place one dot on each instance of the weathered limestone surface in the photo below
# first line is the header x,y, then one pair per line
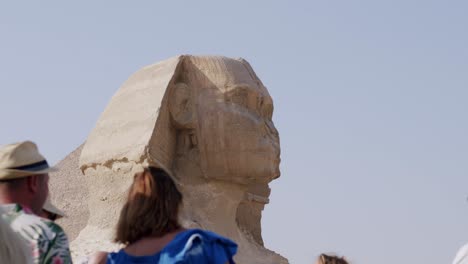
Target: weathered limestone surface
x,y
208,121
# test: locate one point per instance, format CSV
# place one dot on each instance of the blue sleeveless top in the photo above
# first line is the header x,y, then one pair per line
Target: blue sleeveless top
x,y
190,246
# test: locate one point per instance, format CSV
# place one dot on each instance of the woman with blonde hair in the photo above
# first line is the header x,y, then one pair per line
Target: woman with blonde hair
x,y
149,229
331,259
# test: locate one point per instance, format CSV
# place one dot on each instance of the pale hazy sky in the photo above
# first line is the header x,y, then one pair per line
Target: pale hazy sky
x,y
370,102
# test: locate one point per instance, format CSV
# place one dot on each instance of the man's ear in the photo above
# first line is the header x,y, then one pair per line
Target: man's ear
x,y
33,183
181,106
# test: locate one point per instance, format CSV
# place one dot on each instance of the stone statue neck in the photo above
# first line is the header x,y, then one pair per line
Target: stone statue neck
x,y
216,199
208,203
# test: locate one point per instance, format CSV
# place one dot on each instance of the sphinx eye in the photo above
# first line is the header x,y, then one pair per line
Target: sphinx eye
x,y
239,97
260,102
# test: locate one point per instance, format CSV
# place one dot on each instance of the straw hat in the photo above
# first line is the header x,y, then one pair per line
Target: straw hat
x,y
49,207
21,160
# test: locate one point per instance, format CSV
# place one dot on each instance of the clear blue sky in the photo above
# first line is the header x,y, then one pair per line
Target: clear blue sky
x,y
371,102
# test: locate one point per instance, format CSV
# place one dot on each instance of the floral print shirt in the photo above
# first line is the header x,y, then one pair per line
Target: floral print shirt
x,y
48,241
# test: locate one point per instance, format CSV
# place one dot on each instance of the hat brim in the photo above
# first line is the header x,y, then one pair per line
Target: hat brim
x,y
49,207
9,174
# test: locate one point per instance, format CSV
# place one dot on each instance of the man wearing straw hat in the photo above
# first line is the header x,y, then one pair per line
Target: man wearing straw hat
x,y
23,191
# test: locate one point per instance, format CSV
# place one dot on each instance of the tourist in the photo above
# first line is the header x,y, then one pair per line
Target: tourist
x,y
23,190
149,229
331,259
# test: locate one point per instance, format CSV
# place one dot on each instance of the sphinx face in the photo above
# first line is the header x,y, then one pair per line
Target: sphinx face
x,y
237,138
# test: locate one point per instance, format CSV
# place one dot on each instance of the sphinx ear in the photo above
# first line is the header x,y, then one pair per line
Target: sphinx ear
x,y
181,106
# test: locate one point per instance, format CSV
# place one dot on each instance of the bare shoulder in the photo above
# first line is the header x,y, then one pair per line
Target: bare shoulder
x,y
99,257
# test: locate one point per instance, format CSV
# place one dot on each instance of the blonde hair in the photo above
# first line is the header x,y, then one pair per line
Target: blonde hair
x,y
331,259
13,249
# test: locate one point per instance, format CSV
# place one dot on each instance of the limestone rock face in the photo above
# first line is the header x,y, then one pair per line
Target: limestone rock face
x,y
208,122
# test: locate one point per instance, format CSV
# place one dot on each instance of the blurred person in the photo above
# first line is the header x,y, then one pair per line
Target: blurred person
x,y
24,188
149,229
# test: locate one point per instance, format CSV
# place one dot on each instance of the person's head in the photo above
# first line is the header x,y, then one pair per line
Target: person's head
x,y
24,176
331,259
30,191
152,207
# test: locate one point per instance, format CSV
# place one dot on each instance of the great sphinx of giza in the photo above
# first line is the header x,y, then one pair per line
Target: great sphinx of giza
x,y
208,122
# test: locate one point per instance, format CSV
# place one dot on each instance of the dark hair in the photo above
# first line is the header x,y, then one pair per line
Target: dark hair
x,y
329,259
152,208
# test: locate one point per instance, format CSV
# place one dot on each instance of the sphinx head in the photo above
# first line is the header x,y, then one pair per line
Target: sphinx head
x,y
227,114
214,108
